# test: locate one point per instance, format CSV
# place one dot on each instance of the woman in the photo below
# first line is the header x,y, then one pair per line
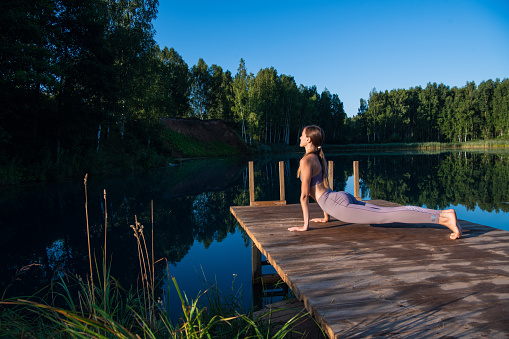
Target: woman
x,y
343,206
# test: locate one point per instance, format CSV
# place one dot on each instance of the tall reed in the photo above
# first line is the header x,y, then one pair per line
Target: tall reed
x,y
105,242
88,232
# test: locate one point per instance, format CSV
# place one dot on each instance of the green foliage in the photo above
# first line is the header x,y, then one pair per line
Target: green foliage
x,y
188,146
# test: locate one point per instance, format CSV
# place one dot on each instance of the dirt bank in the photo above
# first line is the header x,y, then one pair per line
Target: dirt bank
x,y
205,132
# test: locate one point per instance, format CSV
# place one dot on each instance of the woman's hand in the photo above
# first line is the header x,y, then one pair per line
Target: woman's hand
x,y
300,229
322,220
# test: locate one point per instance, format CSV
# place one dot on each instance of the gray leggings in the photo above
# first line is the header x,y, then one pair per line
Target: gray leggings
x,y
343,206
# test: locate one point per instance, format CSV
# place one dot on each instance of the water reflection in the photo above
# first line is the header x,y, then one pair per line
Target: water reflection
x,y
45,224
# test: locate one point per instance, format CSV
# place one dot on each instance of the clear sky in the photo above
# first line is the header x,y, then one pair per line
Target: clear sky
x,y
348,47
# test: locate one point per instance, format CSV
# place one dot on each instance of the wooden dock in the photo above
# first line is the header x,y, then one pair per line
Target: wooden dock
x,y
401,281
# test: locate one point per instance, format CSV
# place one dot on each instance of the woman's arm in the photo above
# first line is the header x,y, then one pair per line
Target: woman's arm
x,y
305,176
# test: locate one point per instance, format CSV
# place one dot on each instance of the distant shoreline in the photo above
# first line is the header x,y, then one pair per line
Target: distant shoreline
x,y
472,145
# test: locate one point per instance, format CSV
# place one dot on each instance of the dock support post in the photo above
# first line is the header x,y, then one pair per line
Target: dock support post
x,y
356,180
256,263
256,276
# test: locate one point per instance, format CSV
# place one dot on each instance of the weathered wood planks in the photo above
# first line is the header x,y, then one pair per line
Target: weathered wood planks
x,y
388,280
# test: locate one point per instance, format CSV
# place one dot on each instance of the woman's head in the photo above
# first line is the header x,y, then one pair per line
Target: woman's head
x,y
315,134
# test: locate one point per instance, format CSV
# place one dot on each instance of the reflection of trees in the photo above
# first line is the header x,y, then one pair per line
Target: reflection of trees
x,y
476,179
439,180
407,180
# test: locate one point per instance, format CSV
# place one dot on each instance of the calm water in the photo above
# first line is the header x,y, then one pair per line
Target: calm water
x,y
45,225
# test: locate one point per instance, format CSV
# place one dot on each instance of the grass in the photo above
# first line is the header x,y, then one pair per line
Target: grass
x,y
188,146
98,307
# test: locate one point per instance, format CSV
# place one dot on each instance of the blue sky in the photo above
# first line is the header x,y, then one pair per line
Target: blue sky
x,y
348,47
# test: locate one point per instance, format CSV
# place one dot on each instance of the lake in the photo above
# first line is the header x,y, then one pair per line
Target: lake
x,y
44,226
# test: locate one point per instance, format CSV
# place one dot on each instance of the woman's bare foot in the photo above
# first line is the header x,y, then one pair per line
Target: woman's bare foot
x,y
300,229
449,220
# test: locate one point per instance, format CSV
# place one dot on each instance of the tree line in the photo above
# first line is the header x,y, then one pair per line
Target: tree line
x,y
435,113
81,79
264,108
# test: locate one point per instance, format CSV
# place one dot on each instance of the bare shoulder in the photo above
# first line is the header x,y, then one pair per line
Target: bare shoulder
x,y
306,161
312,160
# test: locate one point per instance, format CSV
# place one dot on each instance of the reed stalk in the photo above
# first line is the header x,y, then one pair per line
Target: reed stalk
x,y
146,271
88,237
153,263
105,252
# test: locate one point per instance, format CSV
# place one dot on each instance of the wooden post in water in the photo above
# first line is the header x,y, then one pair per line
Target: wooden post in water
x,y
331,175
356,180
282,181
256,263
251,184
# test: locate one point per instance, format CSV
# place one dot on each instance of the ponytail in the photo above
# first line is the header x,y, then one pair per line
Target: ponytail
x,y
325,169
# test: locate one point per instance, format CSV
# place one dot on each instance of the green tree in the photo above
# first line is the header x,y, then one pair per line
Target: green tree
x,y
325,112
308,107
174,84
338,118
359,125
372,114
219,94
130,35
28,73
289,98
485,93
446,118
200,87
265,90
501,108
240,91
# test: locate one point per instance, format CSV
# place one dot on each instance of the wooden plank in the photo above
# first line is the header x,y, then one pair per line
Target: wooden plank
x,y
388,280
268,203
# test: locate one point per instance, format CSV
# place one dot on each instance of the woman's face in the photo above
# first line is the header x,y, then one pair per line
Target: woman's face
x,y
304,139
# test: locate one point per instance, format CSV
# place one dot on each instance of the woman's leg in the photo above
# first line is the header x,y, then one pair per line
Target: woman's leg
x,y
345,207
449,220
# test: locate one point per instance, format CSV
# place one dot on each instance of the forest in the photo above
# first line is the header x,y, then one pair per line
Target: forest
x,y
84,87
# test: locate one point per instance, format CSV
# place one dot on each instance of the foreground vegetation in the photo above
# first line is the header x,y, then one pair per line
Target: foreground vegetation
x,y
98,307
